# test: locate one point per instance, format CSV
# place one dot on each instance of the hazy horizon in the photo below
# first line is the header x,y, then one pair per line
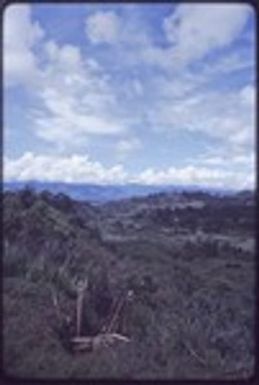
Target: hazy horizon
x,y
158,187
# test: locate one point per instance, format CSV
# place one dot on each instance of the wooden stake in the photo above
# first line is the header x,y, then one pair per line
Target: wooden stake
x,y
116,314
82,285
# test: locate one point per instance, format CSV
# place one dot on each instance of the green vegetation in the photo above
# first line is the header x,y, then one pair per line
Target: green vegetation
x,y
189,258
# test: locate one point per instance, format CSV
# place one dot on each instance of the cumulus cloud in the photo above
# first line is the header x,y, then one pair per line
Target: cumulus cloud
x,y
80,169
194,30
20,36
103,27
203,176
112,28
74,168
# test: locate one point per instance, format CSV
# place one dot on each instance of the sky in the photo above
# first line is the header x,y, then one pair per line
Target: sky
x,y
130,93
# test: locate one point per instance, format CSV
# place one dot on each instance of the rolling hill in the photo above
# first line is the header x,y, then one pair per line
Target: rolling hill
x,y
187,257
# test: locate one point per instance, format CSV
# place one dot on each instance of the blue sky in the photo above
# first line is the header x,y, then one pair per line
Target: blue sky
x,y
118,93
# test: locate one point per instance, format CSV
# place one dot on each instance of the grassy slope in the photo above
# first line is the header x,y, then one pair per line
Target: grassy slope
x,y
192,315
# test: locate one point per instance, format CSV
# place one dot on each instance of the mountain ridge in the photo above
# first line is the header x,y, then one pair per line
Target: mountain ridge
x,y
102,193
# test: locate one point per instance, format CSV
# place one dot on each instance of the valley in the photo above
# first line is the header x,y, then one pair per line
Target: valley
x,y
188,258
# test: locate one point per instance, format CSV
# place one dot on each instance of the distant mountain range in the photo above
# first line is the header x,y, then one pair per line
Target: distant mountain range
x,y
103,193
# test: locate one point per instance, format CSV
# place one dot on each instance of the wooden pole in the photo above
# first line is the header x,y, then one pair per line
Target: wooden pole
x,y
116,314
82,285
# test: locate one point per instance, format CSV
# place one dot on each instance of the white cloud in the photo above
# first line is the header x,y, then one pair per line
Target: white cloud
x,y
127,146
120,31
74,168
67,57
228,64
103,27
228,160
75,99
20,36
78,168
194,30
204,176
66,121
229,117
137,87
248,95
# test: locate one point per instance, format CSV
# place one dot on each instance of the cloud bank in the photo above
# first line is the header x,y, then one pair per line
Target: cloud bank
x,y
81,169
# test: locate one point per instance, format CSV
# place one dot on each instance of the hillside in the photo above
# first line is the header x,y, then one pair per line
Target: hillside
x,y
188,258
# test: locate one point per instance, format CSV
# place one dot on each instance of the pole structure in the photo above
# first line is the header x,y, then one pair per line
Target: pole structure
x,y
82,285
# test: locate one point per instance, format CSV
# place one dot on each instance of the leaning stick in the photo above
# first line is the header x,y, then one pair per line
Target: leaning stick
x,y
55,302
116,314
120,337
82,339
194,354
107,322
